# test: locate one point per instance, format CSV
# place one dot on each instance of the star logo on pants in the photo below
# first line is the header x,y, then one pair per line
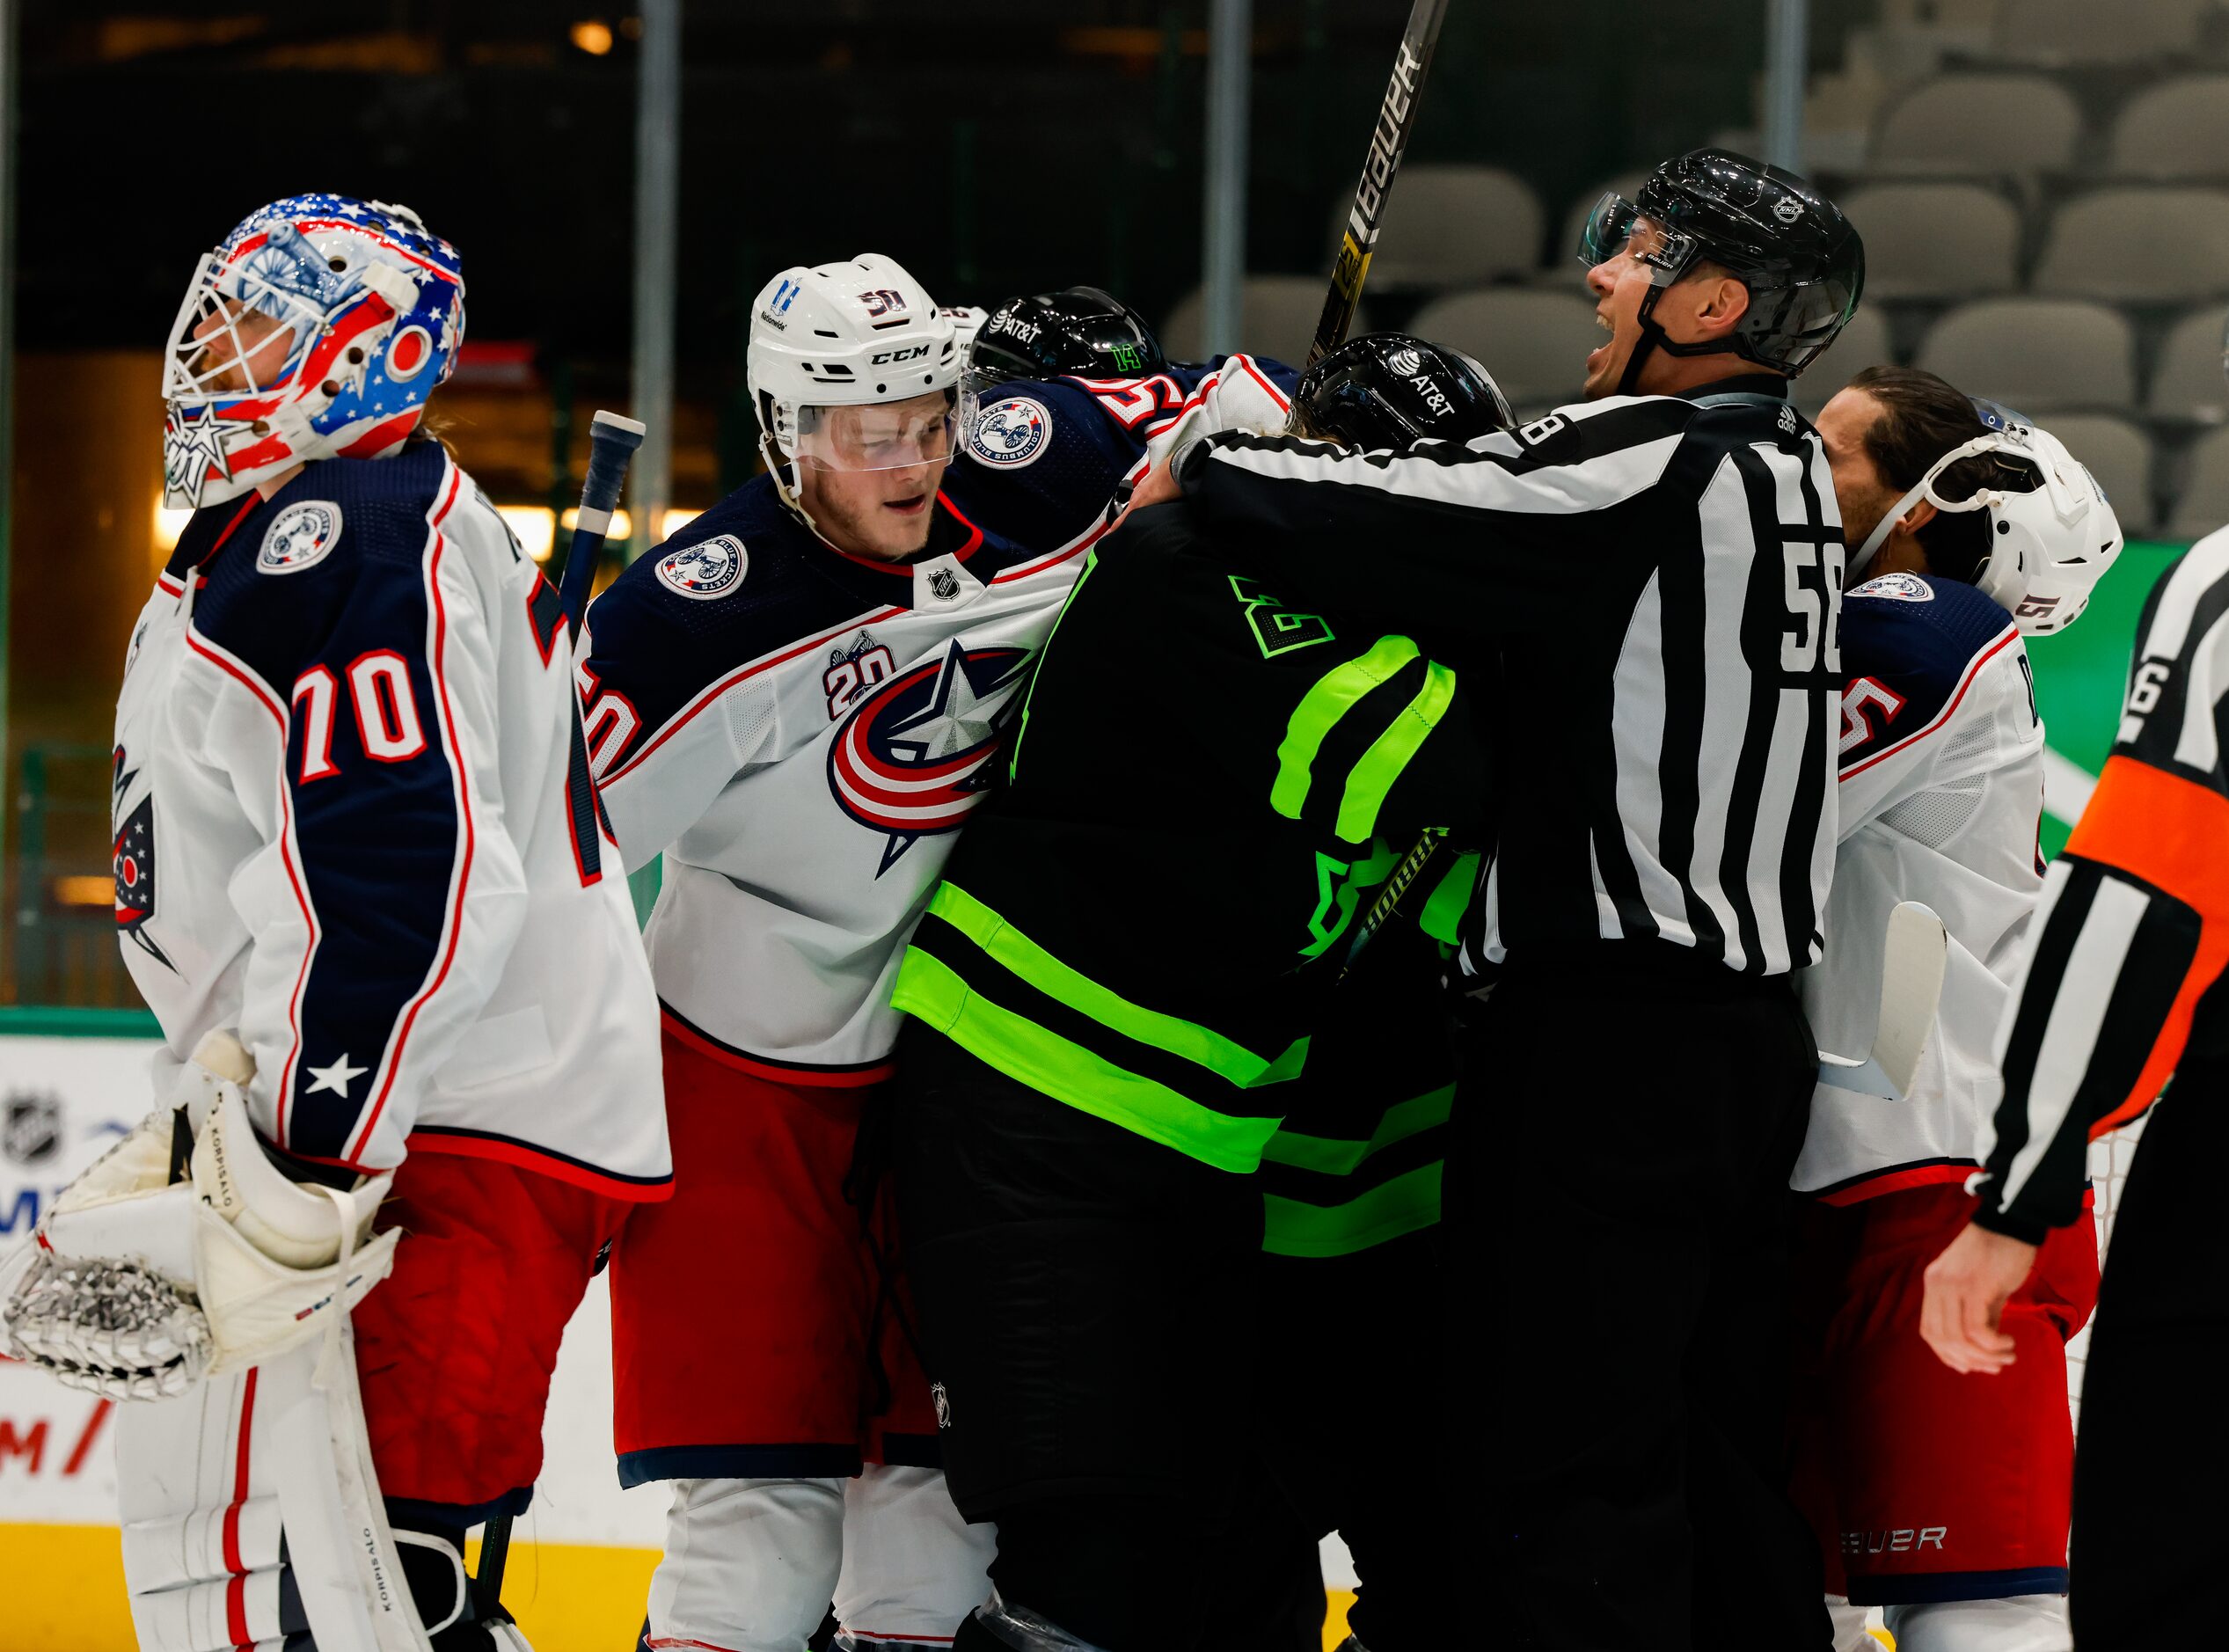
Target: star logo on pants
x,y
335,1078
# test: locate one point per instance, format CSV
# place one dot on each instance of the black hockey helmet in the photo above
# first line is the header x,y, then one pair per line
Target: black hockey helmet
x,y
1387,390
1079,330
1802,261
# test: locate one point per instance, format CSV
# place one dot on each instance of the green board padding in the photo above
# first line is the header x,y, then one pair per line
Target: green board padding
x,y
2081,673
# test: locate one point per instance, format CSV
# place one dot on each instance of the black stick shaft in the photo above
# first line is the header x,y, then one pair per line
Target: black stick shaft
x,y
1388,141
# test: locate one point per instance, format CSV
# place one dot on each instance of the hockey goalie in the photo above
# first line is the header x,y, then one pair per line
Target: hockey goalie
x,y
409,1085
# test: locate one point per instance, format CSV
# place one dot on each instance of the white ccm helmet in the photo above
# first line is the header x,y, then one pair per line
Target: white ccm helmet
x,y
852,334
2049,546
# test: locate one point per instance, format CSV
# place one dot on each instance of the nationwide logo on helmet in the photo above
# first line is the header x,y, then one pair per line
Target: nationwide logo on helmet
x,y
709,568
301,537
1010,433
919,753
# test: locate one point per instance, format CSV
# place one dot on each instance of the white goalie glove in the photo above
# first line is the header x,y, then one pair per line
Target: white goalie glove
x,y
184,1252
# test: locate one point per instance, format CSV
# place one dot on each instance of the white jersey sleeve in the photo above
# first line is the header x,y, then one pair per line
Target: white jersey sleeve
x,y
1940,798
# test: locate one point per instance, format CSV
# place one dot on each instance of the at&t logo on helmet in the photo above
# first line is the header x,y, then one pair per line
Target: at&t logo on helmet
x,y
710,569
1010,433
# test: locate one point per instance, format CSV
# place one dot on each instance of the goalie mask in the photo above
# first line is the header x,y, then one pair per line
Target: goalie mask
x,y
852,366
2049,542
318,329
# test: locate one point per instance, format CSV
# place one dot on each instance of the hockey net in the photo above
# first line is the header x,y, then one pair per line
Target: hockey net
x,y
2110,1156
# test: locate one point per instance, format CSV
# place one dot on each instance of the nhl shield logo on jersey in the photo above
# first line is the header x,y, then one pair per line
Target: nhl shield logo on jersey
x,y
1903,587
301,538
1010,433
917,754
710,569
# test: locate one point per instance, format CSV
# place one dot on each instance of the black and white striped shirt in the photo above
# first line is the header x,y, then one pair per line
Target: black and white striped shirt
x,y
2133,927
1660,577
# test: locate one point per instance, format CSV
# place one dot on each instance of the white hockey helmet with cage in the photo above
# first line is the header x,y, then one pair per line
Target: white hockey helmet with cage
x,y
318,328
858,333
2049,544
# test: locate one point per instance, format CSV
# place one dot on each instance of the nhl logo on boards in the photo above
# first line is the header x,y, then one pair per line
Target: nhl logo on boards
x,y
1010,433
710,569
1403,363
1903,587
302,537
32,1132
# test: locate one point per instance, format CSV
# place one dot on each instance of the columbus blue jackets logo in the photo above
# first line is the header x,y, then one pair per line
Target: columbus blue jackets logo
x,y
711,568
1903,587
916,755
1010,433
301,537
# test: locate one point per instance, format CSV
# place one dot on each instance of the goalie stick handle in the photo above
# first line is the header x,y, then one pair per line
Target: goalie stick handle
x,y
1388,141
612,441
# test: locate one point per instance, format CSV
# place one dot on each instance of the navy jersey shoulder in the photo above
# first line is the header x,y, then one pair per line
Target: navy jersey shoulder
x,y
1042,464
1917,639
334,562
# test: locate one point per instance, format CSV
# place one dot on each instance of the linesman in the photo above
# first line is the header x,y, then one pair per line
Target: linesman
x,y
1659,569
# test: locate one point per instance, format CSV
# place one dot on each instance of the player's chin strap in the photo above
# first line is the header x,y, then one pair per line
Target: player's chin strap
x,y
1994,442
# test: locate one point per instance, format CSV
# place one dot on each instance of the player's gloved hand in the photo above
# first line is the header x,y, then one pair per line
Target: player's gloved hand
x,y
1967,1288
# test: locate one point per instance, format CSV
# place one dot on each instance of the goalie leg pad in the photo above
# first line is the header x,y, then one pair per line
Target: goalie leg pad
x,y
251,1513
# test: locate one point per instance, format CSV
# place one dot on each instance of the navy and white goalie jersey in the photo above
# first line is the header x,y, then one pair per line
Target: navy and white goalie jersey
x,y
353,821
1941,796
800,731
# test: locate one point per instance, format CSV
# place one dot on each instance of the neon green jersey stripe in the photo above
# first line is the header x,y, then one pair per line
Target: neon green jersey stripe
x,y
1381,765
927,987
1330,699
1406,1203
1334,1156
1009,946
1443,915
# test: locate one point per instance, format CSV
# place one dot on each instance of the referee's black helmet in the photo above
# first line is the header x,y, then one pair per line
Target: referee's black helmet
x,y
1082,331
1802,261
1387,390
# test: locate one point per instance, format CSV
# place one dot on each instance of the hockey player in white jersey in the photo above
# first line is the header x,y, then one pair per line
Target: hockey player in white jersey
x,y
361,880
1943,1499
800,699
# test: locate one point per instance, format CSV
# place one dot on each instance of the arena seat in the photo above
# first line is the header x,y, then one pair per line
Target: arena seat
x,y
2203,503
1862,344
2067,33
2148,244
2036,353
1979,124
2187,379
1452,226
1936,240
2177,129
2119,454
1535,343
1277,318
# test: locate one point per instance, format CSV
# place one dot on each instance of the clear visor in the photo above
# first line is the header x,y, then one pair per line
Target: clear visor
x,y
881,437
237,334
1618,228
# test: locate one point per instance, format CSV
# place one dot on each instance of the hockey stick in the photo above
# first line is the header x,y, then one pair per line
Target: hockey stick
x,y
612,440
1388,141
1914,953
1390,893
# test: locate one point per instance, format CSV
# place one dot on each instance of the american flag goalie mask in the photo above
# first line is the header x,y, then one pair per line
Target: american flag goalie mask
x,y
318,328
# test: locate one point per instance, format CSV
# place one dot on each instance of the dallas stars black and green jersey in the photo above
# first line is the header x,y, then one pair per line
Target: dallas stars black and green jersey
x,y
1205,788
1356,1161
